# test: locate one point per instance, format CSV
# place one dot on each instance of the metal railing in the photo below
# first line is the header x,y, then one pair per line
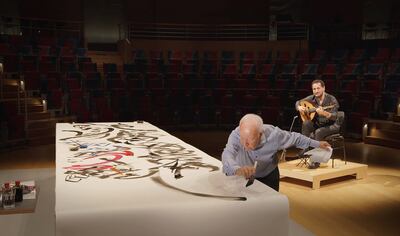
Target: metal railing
x,y
292,31
285,31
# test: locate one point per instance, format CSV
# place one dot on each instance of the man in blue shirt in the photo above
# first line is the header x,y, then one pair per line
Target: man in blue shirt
x,y
255,141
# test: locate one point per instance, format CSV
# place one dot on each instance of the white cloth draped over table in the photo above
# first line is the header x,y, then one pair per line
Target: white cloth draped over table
x,y
136,179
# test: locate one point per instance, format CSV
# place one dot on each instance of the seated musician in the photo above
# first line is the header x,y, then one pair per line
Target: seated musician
x,y
319,122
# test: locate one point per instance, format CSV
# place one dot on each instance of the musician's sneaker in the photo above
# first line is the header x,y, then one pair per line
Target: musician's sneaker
x,y
313,165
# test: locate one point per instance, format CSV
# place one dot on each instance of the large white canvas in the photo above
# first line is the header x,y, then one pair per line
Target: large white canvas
x,y
136,179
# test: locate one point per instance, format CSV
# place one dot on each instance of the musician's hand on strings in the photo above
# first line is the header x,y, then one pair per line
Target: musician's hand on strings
x,y
301,109
324,144
320,111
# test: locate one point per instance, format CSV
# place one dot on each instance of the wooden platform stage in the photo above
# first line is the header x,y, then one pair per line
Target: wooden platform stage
x,y
325,171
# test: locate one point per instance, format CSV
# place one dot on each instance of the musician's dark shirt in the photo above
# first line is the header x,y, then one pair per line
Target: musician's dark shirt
x,y
328,100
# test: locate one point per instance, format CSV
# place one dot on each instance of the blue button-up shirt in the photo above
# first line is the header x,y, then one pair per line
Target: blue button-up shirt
x,y
273,139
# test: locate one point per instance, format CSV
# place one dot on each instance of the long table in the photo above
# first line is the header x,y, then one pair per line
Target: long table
x,y
136,179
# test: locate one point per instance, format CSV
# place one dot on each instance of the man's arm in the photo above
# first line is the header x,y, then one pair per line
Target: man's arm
x,y
229,155
332,114
288,139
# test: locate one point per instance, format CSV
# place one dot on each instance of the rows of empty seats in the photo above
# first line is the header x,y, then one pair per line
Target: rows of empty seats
x,y
365,81
207,87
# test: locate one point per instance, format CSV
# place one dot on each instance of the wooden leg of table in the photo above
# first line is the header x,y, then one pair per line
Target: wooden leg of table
x,y
361,174
316,184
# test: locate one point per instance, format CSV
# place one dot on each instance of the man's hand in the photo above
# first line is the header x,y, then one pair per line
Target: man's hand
x,y
324,144
321,112
246,171
301,109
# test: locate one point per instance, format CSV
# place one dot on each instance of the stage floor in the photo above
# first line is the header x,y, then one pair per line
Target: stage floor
x,y
291,169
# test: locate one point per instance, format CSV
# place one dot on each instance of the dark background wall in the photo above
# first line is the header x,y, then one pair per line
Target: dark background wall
x,y
198,12
210,11
338,11
71,10
101,18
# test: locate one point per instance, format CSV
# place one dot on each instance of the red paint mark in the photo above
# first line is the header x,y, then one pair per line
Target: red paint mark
x,y
102,165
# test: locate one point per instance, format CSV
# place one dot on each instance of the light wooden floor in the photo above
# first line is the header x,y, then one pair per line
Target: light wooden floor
x,y
343,206
347,206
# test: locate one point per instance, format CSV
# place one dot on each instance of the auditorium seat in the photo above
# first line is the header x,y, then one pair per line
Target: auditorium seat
x,y
246,58
229,71
248,71
87,67
359,55
289,72
340,56
139,57
381,56
310,72
55,99
319,57
5,49
209,56
175,57
173,71
362,109
270,115
190,71
373,71
302,57
109,68
102,109
330,71
264,57
395,55
352,71
45,67
268,71
114,81
209,70
228,57
192,57
283,57
156,57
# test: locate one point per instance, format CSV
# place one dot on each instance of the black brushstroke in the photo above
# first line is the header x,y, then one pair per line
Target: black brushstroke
x,y
131,127
158,153
159,180
75,176
130,138
88,135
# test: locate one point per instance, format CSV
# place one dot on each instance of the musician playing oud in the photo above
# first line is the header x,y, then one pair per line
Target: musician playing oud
x,y
318,112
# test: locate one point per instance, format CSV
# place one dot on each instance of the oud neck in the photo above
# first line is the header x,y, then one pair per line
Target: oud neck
x,y
323,108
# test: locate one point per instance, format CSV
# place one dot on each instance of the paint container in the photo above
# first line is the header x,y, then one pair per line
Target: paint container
x,y
18,191
8,196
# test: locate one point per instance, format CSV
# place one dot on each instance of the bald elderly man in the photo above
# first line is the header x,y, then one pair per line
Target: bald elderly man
x,y
255,141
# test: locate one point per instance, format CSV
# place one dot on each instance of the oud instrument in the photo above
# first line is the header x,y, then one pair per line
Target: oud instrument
x,y
309,113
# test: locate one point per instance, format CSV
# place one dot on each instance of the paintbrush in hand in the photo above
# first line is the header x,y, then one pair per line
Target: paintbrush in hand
x,y
251,179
